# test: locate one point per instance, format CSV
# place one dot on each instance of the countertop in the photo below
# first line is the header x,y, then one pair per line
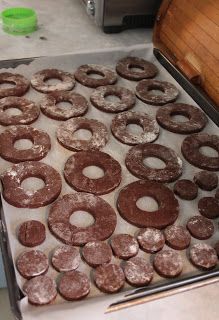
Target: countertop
x,y
64,27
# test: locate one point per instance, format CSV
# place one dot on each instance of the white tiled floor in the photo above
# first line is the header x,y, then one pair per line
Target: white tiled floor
x,y
4,306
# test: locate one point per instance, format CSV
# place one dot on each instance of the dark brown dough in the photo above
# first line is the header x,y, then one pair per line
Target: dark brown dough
x,y
125,65
197,120
144,88
109,278
66,130
200,227
75,165
147,123
96,253
151,240
19,197
190,150
136,155
40,290
166,214
31,233
186,189
217,194
74,285
79,105
168,263
40,140
177,237
209,207
38,80
203,256
206,180
21,84
65,258
62,209
29,111
32,263
126,96
83,73
216,247
124,246
138,271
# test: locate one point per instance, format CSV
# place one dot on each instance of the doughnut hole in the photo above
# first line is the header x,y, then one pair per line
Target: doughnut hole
x,y
208,151
32,184
52,81
135,68
156,90
148,204
179,117
134,127
112,98
154,163
93,172
23,144
7,85
95,75
82,134
65,105
81,219
12,111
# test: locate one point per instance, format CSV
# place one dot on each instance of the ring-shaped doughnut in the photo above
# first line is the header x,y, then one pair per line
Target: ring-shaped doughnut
x,y
21,84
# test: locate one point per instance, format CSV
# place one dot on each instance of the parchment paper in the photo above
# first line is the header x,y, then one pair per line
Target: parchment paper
x,y
58,156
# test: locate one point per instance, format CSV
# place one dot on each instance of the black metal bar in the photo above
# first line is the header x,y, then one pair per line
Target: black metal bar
x,y
13,289
194,91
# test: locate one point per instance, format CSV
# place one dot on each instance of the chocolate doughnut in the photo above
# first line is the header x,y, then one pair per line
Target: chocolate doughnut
x,y
66,130
203,256
168,263
197,120
206,180
150,240
32,263
148,124
166,214
21,84
83,73
73,172
62,209
177,237
79,105
29,111
144,88
200,227
190,150
40,140
125,65
216,248
74,285
124,246
209,207
109,278
96,253
126,96
65,258
136,155
138,272
38,80
31,233
185,189
14,194
40,290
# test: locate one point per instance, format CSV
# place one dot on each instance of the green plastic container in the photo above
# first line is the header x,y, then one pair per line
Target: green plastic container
x,y
19,21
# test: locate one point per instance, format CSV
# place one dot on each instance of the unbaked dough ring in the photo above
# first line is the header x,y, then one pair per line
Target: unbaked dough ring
x,y
75,165
166,213
18,197
21,84
61,211
39,78
134,162
40,140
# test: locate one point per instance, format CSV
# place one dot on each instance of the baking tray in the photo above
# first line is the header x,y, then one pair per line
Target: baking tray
x,y
160,287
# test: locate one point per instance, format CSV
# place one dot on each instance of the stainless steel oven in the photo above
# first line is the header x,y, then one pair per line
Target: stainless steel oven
x,y
116,15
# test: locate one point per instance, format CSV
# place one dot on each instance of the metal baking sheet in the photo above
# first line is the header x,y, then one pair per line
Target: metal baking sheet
x,y
58,155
